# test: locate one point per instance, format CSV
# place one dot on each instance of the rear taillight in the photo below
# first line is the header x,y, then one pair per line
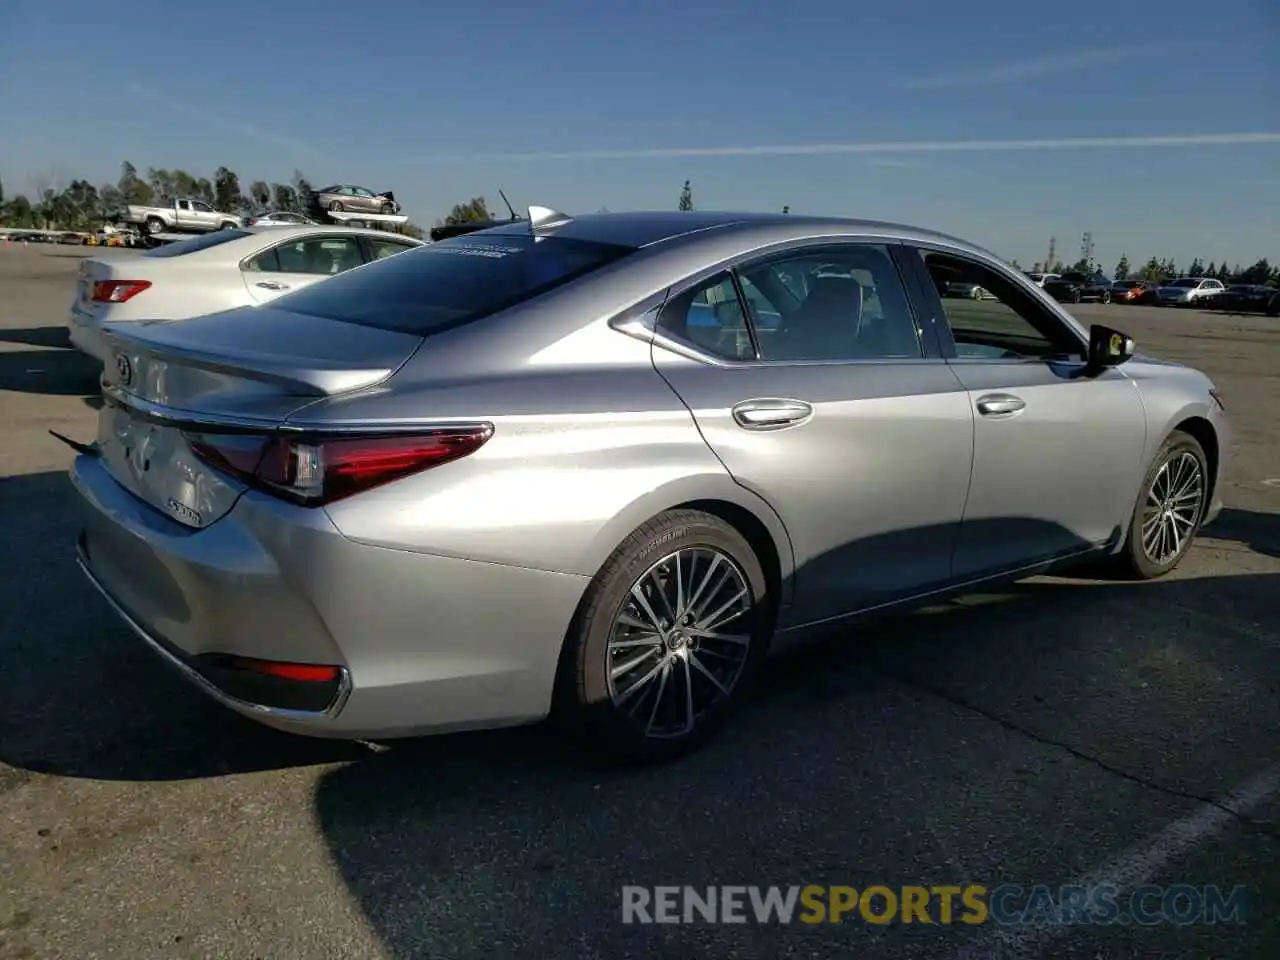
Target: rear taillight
x,y
118,291
318,470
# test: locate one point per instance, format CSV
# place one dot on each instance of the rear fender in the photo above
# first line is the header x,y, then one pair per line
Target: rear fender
x,y
685,490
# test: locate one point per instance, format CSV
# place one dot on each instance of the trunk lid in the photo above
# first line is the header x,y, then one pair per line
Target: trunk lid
x,y
244,372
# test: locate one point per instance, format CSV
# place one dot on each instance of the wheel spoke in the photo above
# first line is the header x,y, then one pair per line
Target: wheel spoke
x,y
660,589
741,639
711,620
706,579
643,602
626,694
653,640
697,665
657,697
689,715
624,668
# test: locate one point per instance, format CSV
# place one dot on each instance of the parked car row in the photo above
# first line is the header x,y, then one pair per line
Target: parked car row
x,y
1206,292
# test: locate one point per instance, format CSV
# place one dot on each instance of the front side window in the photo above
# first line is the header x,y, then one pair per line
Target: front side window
x,y
1008,324
846,303
445,284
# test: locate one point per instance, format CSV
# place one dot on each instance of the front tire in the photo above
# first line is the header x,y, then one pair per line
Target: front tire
x,y
667,640
1169,510
1106,297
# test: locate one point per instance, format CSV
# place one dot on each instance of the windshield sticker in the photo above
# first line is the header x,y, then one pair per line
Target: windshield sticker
x,y
477,250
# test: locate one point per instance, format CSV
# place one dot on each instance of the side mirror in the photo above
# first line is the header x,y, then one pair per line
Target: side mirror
x,y
1107,347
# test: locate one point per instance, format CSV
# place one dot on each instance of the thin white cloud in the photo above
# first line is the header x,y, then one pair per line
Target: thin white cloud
x,y
1012,72
890,147
266,137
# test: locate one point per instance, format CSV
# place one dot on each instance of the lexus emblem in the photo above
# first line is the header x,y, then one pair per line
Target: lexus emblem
x,y
124,369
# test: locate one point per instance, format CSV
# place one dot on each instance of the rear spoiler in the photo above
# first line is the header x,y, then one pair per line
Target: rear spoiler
x,y
461,229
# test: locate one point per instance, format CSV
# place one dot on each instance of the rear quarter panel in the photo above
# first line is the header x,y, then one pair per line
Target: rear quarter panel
x,y
578,460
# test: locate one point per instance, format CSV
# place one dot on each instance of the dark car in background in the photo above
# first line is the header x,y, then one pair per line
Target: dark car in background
x,y
1135,291
1245,298
1076,287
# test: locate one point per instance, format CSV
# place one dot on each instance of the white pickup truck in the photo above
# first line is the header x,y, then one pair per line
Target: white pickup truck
x,y
181,216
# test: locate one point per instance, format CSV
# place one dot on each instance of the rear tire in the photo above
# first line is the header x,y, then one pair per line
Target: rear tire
x,y
1106,297
632,689
154,225
1167,517
335,206
226,225
388,209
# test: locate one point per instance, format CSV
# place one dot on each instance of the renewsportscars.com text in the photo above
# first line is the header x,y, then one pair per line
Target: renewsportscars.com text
x,y
973,904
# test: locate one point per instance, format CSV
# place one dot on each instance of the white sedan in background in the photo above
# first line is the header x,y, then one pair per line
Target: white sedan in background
x,y
217,271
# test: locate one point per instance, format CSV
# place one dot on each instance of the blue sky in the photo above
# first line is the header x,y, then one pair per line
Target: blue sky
x,y
890,111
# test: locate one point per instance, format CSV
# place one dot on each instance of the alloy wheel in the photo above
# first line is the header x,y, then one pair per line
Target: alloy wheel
x,y
1172,508
680,641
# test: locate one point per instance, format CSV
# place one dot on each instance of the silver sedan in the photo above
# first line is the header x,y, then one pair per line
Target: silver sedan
x,y
598,467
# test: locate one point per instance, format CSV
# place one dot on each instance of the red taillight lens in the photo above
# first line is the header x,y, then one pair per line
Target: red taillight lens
x,y
118,291
301,672
319,470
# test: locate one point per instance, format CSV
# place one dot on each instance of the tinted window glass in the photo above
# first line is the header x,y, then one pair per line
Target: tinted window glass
x,y
386,248
1005,323
451,282
314,255
710,316
843,303
204,242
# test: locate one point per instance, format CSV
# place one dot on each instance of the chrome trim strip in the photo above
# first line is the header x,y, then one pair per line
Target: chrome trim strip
x,y
184,419
195,677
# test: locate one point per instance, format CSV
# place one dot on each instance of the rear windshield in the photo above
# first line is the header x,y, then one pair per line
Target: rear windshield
x,y
449,283
203,242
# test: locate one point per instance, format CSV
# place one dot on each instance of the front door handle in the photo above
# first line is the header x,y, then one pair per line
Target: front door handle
x,y
1000,404
272,285
771,414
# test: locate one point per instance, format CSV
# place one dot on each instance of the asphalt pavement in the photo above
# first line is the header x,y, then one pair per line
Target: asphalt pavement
x,y
1050,732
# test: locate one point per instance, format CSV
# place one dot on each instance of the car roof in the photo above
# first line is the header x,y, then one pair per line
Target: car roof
x,y
645,228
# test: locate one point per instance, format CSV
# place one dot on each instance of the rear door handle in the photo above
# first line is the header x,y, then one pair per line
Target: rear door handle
x,y
272,285
771,413
999,404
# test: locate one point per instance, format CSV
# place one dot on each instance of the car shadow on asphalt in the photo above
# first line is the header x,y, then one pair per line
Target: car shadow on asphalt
x,y
66,373
56,337
1043,717
1260,532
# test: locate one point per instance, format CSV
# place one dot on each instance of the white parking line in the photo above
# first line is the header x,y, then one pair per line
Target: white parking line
x,y
1138,865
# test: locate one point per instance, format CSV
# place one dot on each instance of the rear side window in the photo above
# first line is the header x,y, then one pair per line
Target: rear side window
x,y
196,244
449,283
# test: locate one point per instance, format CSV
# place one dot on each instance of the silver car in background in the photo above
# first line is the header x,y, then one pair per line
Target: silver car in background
x,y
596,467
1188,291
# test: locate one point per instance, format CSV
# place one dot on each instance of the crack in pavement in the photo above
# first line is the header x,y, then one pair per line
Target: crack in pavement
x,y
1265,828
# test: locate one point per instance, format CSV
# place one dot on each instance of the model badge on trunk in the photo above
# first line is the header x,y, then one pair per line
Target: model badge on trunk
x,y
184,513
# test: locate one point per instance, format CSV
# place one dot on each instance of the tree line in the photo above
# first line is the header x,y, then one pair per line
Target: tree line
x,y
1158,270
80,205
